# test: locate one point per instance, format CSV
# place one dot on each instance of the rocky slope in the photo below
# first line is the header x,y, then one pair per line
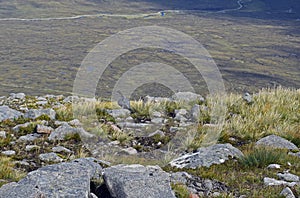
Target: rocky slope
x,y
54,150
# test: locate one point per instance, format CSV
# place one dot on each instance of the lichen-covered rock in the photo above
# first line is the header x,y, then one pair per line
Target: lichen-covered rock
x,y
275,141
70,179
131,181
7,113
207,156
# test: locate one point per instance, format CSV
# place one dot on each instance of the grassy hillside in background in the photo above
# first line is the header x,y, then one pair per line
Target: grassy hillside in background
x,y
44,56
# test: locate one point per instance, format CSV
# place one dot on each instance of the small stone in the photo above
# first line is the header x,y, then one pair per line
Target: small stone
x,y
274,166
59,149
174,129
157,132
28,137
247,97
274,182
216,194
116,142
288,177
41,103
19,96
61,132
187,97
19,126
9,153
295,154
75,123
31,147
35,113
156,114
130,151
119,113
287,192
2,134
41,129
195,112
157,120
50,157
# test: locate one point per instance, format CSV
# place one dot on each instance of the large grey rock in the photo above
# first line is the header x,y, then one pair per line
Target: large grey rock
x,y
7,113
275,141
187,96
131,181
70,179
61,132
207,156
35,113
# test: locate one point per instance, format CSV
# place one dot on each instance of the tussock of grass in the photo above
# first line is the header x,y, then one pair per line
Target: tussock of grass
x,y
7,171
261,157
274,111
180,190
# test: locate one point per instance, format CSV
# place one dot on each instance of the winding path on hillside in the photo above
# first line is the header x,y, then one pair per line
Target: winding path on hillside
x,y
140,15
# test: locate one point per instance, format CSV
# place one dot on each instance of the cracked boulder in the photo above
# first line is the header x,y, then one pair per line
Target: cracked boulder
x,y
207,156
130,181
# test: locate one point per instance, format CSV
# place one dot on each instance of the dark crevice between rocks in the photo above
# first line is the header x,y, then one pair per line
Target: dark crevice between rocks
x,y
100,190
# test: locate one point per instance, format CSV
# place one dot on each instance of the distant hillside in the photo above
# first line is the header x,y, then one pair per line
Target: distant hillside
x,y
44,8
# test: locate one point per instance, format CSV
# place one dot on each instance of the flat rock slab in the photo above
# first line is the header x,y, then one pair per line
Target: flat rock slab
x,y
131,181
70,179
275,141
7,113
207,156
